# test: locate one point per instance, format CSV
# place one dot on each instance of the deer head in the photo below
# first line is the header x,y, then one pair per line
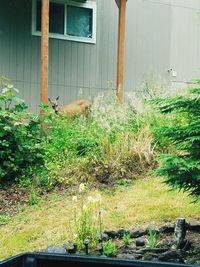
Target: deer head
x,y
54,104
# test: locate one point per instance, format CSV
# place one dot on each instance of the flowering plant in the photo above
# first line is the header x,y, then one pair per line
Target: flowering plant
x,y
87,217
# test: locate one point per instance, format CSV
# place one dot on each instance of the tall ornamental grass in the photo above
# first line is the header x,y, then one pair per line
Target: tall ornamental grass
x,y
114,142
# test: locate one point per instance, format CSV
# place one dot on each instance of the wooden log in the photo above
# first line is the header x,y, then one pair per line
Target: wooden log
x,y
179,232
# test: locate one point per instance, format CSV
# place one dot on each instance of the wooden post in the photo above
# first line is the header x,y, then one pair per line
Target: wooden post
x,y
121,45
44,51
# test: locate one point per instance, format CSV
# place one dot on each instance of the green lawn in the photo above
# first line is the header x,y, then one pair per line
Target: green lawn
x,y
145,201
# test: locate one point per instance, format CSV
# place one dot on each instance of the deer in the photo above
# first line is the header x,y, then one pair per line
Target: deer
x,y
75,108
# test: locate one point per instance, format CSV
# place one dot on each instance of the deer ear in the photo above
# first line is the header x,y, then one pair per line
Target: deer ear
x,y
49,100
57,97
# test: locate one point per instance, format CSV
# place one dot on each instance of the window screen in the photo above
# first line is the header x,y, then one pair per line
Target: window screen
x,y
56,18
79,21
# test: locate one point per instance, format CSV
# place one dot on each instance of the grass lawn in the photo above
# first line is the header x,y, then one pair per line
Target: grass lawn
x,y
143,202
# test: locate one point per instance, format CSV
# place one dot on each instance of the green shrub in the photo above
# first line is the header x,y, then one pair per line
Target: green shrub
x,y
68,148
182,168
109,248
105,147
20,143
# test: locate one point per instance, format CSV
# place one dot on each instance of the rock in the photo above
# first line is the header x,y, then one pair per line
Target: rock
x,y
56,249
122,232
194,226
104,237
167,229
140,243
112,234
71,247
137,233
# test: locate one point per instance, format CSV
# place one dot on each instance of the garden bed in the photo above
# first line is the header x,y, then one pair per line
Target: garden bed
x,y
140,246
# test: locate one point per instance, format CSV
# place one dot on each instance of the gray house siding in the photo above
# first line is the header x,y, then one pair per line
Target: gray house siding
x,y
185,42
76,70
160,35
147,42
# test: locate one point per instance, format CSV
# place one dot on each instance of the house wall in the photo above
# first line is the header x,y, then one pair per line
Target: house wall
x,y
147,43
76,70
160,35
185,43
163,40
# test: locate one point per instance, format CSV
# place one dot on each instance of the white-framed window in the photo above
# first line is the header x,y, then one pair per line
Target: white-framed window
x,y
68,20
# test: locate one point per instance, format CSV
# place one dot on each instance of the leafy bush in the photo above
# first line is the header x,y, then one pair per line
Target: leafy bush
x,y
182,168
105,147
20,147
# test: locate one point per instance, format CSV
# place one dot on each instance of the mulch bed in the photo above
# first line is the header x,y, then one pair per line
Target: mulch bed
x,y
189,253
12,198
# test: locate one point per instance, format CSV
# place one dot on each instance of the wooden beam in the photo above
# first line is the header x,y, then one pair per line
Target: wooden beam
x,y
44,50
120,54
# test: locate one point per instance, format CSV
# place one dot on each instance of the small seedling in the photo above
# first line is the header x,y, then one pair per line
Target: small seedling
x,y
109,248
154,238
126,239
33,198
4,219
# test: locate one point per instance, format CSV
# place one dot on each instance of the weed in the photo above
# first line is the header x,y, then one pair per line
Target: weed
x,y
33,197
109,248
24,181
4,219
126,239
154,237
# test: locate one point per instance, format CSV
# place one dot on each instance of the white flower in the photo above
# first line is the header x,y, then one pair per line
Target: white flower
x,y
74,198
81,188
102,211
84,207
90,199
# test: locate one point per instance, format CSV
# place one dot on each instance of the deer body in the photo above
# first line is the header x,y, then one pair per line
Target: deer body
x,y
75,108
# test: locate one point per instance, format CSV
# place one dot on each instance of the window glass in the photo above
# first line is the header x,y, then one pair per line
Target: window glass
x,y
79,21
56,18
38,16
